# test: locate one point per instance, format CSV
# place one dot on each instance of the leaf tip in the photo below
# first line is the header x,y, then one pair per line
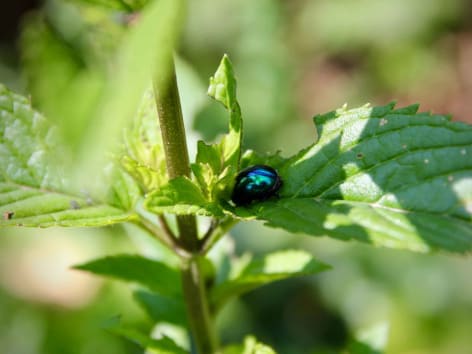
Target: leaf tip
x,y
223,83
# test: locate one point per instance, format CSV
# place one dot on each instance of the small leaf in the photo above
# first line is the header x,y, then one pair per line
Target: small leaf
x,y
155,346
143,156
217,164
33,188
124,193
357,347
162,308
393,178
259,272
223,84
251,346
371,340
152,274
181,196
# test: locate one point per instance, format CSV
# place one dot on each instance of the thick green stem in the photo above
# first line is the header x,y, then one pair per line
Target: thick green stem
x,y
200,320
175,147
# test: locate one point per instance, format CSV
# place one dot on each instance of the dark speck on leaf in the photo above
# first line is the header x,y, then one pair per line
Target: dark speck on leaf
x,y
360,155
8,215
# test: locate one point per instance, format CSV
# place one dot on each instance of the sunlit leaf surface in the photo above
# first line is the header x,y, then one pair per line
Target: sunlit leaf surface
x,y
393,178
33,188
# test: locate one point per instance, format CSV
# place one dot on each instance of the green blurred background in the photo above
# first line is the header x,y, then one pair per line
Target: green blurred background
x,y
293,59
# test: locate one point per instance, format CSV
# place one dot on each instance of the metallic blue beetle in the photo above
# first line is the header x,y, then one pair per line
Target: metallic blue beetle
x,y
255,183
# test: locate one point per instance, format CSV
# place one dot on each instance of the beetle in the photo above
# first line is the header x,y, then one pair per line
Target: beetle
x,y
255,183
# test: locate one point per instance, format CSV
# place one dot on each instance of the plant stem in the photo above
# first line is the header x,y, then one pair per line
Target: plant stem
x,y
172,127
175,146
198,310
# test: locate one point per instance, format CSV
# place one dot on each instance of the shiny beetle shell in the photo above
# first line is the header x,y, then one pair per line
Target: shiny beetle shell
x,y
255,183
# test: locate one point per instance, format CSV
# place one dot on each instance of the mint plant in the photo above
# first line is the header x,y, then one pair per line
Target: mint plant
x,y
384,176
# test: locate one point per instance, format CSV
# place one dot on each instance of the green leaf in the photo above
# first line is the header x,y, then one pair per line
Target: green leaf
x,y
23,206
28,145
162,308
393,178
181,196
251,346
216,164
164,345
143,156
275,266
146,52
141,165
33,191
152,274
370,340
358,347
93,97
123,192
223,86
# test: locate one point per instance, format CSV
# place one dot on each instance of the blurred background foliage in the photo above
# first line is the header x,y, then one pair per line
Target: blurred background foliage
x,y
293,59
